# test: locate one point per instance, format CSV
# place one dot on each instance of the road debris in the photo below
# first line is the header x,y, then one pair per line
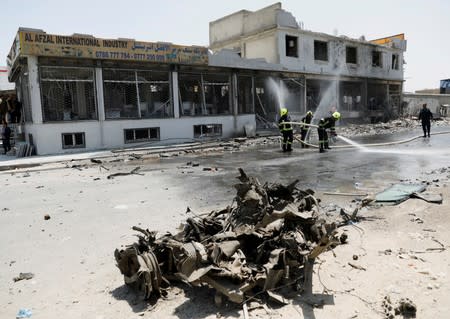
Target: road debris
x,y
134,171
23,276
46,217
267,240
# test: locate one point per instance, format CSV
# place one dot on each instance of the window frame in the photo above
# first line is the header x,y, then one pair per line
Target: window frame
x,y
347,48
288,49
83,135
94,87
380,58
395,63
316,54
212,134
135,140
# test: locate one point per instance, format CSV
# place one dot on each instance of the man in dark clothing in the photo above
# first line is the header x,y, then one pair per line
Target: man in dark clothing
x,y
324,124
6,135
304,132
426,116
286,130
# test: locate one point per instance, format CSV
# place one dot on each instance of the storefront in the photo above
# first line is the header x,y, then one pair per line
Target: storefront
x,y
81,92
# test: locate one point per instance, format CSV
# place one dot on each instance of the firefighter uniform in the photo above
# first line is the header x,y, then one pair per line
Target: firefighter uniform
x,y
286,130
304,131
325,124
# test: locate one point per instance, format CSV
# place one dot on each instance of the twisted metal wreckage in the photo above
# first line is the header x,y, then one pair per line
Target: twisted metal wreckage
x,y
267,240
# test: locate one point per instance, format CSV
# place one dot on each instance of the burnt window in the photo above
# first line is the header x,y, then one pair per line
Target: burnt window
x,y
68,94
207,130
291,46
136,135
320,50
376,59
73,140
351,55
395,64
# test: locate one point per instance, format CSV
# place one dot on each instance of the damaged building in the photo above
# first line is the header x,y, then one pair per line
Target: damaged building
x,y
81,93
363,79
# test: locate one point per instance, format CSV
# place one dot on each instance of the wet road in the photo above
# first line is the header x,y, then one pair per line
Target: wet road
x,y
338,170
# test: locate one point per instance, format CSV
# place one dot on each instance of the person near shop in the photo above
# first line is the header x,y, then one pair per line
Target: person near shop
x,y
286,130
325,124
426,116
305,128
6,136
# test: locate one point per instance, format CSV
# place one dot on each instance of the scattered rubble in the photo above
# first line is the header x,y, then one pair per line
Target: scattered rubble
x,y
23,276
395,126
266,241
134,171
404,308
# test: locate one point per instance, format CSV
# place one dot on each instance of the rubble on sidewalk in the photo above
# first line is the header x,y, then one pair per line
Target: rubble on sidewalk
x,y
267,240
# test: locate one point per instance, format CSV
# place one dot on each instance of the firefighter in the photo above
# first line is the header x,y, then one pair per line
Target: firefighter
x,y
286,130
324,124
304,129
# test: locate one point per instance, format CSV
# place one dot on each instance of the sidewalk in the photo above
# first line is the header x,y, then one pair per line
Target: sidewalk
x,y
12,162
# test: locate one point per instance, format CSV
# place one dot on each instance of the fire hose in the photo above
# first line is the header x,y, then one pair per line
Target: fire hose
x,y
364,145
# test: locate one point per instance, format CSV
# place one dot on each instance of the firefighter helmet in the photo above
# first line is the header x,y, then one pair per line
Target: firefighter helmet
x,y
337,115
283,111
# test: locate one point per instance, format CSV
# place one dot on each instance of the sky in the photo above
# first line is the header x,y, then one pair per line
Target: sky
x,y
426,24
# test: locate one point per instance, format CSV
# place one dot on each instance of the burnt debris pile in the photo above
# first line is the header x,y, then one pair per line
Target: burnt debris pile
x,y
264,241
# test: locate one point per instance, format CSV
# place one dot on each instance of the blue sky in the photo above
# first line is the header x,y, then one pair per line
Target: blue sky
x,y
426,24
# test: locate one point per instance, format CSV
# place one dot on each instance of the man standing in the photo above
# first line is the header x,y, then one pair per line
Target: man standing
x,y
6,135
286,130
426,116
304,131
324,124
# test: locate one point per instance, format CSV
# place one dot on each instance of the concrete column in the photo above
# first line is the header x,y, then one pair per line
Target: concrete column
x,y
100,104
175,95
234,102
35,90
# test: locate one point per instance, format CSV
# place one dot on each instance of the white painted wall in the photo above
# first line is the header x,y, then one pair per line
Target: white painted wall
x,y
244,22
48,140
261,47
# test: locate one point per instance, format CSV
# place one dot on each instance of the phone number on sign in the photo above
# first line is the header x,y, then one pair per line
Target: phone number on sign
x,y
130,56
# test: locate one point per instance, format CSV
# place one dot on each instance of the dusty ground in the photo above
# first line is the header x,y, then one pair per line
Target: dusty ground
x,y
71,254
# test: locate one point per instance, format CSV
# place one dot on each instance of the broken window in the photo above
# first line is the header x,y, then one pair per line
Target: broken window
x,y
204,94
320,50
190,94
120,94
376,59
68,94
395,64
124,90
245,95
291,46
266,101
351,55
136,135
154,94
351,95
217,93
73,140
207,130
